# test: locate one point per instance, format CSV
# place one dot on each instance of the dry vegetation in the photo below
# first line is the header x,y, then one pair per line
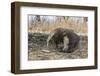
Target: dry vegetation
x,y
78,24
39,29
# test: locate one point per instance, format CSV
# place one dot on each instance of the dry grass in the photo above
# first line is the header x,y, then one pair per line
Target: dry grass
x,y
78,28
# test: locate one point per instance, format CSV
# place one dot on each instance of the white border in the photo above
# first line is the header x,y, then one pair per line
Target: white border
x,y
25,64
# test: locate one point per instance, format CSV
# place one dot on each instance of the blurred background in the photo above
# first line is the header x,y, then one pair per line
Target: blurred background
x,y
45,24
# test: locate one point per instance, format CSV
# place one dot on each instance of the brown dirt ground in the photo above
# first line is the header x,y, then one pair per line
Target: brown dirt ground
x,y
37,49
